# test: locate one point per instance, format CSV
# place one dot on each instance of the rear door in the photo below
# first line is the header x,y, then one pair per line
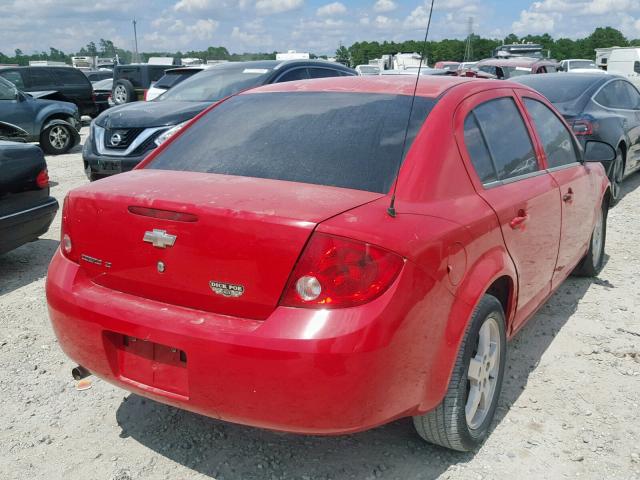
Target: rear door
x,y
75,86
509,175
578,187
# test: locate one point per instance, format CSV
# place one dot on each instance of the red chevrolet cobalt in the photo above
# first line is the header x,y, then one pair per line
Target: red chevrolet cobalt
x,y
255,269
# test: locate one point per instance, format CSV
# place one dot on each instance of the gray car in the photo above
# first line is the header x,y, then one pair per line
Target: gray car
x,y
52,123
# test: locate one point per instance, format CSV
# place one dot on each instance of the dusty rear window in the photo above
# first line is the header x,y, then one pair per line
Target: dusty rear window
x,y
349,140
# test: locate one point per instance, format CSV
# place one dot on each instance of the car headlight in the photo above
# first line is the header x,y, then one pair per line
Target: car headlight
x,y
163,137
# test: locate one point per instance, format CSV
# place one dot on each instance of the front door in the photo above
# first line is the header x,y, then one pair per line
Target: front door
x,y
525,198
578,187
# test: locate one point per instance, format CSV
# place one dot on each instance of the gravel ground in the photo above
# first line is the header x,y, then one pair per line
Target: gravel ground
x,y
569,408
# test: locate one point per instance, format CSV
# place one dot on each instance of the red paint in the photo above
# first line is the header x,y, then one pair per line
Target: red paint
x,y
255,361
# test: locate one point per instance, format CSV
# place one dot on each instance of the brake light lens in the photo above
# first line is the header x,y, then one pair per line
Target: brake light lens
x,y
66,244
145,92
42,180
335,272
582,127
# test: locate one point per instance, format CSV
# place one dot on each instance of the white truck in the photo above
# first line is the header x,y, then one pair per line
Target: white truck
x,y
625,61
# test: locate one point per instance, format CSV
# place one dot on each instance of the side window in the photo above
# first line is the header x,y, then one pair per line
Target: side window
x,y
7,91
41,77
478,151
632,95
14,77
323,73
556,139
295,74
615,95
506,138
70,76
636,67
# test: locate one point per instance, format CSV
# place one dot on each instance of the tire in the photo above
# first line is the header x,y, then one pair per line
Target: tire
x,y
593,261
57,139
616,176
123,92
447,425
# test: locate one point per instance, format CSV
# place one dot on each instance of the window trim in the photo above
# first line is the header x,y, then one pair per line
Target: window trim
x,y
593,98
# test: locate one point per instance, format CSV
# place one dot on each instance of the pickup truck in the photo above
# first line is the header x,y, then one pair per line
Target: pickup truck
x,y
26,208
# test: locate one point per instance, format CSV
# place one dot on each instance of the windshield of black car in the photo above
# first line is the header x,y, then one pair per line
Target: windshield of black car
x,y
349,140
215,84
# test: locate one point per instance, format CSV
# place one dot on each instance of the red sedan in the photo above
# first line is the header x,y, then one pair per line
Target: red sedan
x,y
252,270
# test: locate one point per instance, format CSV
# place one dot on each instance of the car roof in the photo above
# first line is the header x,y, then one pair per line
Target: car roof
x,y
428,86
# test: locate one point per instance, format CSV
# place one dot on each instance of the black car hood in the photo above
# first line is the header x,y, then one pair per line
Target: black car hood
x,y
149,114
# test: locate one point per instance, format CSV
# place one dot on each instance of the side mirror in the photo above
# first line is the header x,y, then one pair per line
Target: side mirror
x,y
20,96
602,152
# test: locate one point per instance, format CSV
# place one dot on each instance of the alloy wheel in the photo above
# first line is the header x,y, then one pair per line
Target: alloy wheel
x,y
59,137
597,238
120,94
482,376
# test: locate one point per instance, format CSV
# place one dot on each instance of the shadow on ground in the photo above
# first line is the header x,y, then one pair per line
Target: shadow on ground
x,y
26,264
225,451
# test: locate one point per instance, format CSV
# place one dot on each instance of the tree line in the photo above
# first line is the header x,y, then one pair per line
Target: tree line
x,y
360,52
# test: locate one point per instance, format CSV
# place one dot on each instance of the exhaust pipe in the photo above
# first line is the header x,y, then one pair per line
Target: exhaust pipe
x,y
80,372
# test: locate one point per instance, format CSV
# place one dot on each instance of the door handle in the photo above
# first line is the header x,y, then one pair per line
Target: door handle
x,y
568,197
519,221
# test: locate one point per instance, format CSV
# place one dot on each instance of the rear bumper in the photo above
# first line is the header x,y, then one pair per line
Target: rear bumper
x,y
305,371
24,226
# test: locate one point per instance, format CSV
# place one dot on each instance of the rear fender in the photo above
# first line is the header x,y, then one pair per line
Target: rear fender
x,y
489,267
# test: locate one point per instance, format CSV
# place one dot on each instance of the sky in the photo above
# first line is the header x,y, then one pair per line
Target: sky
x,y
302,25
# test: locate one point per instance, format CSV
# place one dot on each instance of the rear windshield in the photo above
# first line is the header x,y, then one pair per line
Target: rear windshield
x,y
582,64
171,79
562,89
216,84
349,140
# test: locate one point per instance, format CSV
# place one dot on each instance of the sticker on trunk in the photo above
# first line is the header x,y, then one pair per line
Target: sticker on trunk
x,y
226,289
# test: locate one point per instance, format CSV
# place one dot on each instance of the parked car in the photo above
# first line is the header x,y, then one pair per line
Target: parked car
x,y
102,93
414,71
579,66
504,68
98,75
625,62
122,136
54,124
267,272
171,78
26,209
66,84
598,107
131,82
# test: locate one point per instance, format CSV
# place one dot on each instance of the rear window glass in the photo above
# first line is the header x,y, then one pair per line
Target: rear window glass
x,y
129,73
171,79
563,89
41,77
349,140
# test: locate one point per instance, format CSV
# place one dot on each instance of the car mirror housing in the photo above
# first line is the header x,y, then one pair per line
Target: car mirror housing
x,y
602,152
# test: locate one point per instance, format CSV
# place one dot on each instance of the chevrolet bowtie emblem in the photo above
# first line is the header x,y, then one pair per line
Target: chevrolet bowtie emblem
x,y
160,238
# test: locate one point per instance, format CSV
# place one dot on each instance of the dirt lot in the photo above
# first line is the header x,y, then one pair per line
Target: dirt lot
x,y
570,405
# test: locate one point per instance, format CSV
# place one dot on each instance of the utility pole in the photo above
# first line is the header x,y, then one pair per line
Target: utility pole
x,y
136,58
468,49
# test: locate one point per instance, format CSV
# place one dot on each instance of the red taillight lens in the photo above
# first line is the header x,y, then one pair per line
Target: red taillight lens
x,y
42,180
335,272
145,95
66,243
582,127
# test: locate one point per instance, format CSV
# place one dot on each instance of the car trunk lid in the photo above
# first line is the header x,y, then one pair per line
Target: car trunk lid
x,y
234,240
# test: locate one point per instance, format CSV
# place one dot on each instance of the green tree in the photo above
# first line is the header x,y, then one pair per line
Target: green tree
x,y
342,55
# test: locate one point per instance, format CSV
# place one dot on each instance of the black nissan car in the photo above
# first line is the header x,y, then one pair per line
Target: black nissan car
x,y
598,107
123,135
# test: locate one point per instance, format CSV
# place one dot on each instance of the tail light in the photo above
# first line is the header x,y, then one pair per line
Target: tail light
x,y
66,243
42,180
335,272
146,92
582,127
